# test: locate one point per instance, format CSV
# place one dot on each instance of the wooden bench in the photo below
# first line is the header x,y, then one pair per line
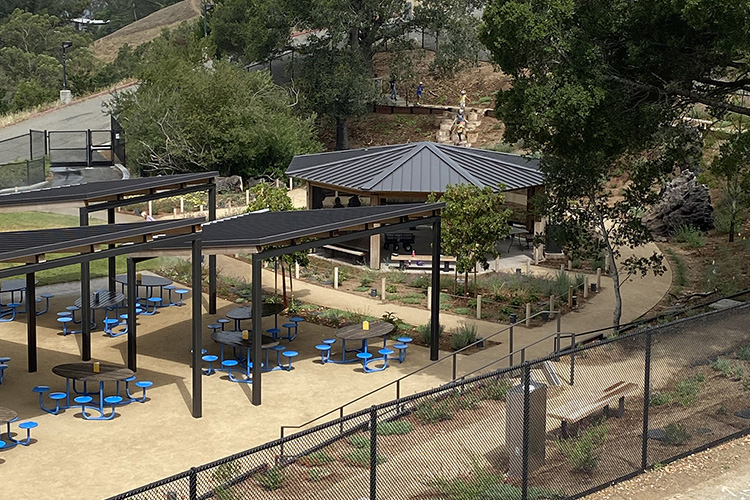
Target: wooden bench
x,y
575,410
347,250
412,260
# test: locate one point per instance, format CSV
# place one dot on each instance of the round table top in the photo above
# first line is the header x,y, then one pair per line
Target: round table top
x,y
13,285
7,415
246,312
106,299
234,338
85,372
355,331
146,280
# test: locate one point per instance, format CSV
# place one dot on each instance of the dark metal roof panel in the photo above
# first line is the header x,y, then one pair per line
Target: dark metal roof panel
x,y
301,162
22,244
267,228
422,172
102,189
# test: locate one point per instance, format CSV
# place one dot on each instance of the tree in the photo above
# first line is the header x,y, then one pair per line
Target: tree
x,y
190,116
473,221
600,85
732,169
340,39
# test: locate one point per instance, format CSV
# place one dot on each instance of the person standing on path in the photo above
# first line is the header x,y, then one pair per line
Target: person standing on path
x,y
420,90
462,101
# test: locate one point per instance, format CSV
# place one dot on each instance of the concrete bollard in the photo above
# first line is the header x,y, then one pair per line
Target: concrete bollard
x,y
296,270
598,278
528,315
536,256
382,288
585,287
247,197
201,208
429,298
291,184
551,304
336,278
479,307
277,183
174,213
570,265
182,204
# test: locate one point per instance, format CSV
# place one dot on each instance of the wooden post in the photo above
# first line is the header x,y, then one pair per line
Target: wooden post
x,y
151,208
201,208
586,287
551,304
598,278
277,183
528,315
182,204
570,296
247,197
382,288
174,213
570,265
479,307
296,270
291,184
336,277
429,298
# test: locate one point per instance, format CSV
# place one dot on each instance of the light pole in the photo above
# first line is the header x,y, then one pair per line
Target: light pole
x,y
206,7
65,45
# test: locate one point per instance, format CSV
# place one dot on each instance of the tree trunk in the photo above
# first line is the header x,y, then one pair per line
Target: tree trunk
x,y
342,133
732,218
615,273
466,283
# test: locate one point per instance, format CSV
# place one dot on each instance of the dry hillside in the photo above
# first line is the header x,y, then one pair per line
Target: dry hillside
x,y
146,29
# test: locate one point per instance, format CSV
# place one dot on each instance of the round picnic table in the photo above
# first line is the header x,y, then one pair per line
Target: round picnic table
x,y
356,332
234,339
105,299
7,415
246,312
84,372
148,281
11,287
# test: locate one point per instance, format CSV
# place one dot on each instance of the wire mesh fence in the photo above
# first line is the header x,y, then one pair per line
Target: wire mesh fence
x,y
557,427
22,173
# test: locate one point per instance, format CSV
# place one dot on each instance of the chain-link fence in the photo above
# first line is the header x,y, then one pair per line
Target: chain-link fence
x,y
22,173
558,427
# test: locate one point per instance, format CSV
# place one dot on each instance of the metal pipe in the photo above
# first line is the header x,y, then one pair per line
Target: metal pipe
x,y
31,321
646,401
112,261
257,309
373,452
132,298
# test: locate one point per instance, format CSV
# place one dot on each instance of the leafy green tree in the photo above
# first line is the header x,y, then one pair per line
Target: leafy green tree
x,y
60,8
473,221
40,34
600,85
732,169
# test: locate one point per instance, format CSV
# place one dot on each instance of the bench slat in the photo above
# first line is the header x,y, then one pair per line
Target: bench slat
x,y
351,251
573,411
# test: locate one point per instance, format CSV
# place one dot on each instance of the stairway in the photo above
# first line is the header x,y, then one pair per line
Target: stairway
x,y
445,123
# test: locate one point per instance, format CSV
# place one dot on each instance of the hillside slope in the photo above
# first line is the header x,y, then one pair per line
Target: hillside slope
x,y
146,29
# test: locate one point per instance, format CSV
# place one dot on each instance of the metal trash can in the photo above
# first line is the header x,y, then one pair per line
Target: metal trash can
x,y
537,427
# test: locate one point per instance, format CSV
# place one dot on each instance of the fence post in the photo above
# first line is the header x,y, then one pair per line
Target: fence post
x,y
646,401
382,289
479,307
570,296
193,484
551,304
454,366
296,270
429,298
526,380
373,451
586,287
598,278
28,172
336,277
510,346
528,315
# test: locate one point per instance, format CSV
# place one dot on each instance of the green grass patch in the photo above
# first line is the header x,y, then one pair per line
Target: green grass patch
x,y
483,483
581,451
359,441
495,390
28,221
272,479
430,412
315,459
395,428
680,271
743,353
691,236
361,458
684,394
727,369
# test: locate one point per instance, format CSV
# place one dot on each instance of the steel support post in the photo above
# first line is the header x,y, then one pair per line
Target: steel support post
x,y
197,327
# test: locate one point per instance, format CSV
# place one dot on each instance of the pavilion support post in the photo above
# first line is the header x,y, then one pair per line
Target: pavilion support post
x,y
197,334
132,297
435,306
211,258
257,305
31,321
85,297
112,260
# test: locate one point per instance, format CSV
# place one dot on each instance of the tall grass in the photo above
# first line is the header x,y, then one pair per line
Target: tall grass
x,y
692,236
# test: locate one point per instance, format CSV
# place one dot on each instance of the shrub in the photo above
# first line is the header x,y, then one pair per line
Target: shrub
x,y
361,458
482,483
689,235
363,288
318,473
722,365
685,393
737,371
467,400
272,479
367,278
464,335
359,441
675,434
496,390
425,332
315,458
581,451
743,353
395,428
397,277
422,281
412,298
462,311
430,412
391,288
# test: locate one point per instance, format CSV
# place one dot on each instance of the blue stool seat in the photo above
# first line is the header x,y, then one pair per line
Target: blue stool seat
x,y
180,292
65,314
4,359
289,327
27,425
72,310
209,358
329,341
214,327
222,322
169,288
289,355
385,352
65,320
296,319
405,340
229,363
401,351
364,356
57,395
82,400
113,400
155,303
110,323
325,352
143,384
3,366
274,332
40,389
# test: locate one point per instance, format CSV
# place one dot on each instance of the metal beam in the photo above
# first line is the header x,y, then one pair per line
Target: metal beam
x,y
31,321
85,300
132,298
197,327
212,258
112,261
96,207
435,306
257,305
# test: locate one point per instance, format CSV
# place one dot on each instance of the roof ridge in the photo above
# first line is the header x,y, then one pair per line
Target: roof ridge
x,y
438,150
343,160
471,152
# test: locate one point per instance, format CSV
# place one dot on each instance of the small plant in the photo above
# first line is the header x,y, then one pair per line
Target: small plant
x,y
675,434
721,410
467,400
226,472
658,398
315,458
390,317
690,235
463,336
743,353
366,279
722,365
391,288
430,412
397,277
318,474
495,390
359,441
746,384
272,479
394,428
425,332
658,466
581,451
361,458
736,372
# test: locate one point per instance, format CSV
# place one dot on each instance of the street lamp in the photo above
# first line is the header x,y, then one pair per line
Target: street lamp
x,y
65,45
206,8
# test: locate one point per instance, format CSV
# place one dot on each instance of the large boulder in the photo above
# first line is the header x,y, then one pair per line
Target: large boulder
x,y
231,184
683,201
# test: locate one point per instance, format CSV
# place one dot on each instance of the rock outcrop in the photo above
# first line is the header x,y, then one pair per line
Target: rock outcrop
x,y
683,201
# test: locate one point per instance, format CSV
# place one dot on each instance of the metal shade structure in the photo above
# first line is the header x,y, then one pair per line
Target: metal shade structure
x,y
31,249
273,234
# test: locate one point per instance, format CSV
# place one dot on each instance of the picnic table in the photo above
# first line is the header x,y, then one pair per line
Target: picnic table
x,y
357,332
84,372
238,314
234,339
12,287
148,281
101,299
